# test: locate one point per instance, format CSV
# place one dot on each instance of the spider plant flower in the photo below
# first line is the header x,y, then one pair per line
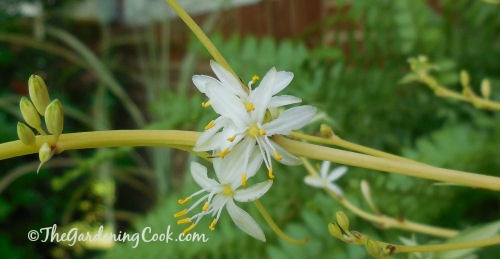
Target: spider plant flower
x,y
222,193
327,179
245,117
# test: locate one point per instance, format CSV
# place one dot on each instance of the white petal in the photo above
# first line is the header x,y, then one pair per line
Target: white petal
x,y
334,188
209,143
231,166
227,79
325,167
291,119
337,173
255,160
286,157
282,80
203,82
228,105
245,222
253,192
261,96
282,100
199,174
314,181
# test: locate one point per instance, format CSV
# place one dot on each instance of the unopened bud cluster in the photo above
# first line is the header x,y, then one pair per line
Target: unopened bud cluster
x,y
32,111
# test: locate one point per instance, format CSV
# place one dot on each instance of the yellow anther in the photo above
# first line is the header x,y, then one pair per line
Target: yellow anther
x,y
212,225
277,156
205,206
183,221
255,78
210,125
206,104
224,153
249,107
262,132
270,173
244,180
180,213
188,229
231,139
183,201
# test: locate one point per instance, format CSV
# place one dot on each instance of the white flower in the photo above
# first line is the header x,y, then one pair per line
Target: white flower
x,y
223,193
326,180
244,116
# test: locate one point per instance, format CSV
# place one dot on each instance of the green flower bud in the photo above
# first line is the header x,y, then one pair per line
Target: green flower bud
x,y
335,231
38,93
44,154
26,135
464,78
54,118
373,248
343,220
29,113
486,88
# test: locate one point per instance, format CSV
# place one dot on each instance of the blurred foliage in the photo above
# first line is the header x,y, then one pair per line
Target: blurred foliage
x,y
353,80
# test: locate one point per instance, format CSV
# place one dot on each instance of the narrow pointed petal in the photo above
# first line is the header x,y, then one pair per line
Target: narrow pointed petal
x,y
227,79
336,173
286,157
245,222
228,105
334,188
261,96
208,143
255,160
313,181
282,100
253,192
291,119
203,82
325,167
282,80
199,173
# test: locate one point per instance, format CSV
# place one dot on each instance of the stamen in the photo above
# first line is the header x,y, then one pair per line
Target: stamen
x,y
262,132
270,173
244,180
231,139
255,78
206,104
205,206
249,107
227,190
210,125
183,221
182,202
212,225
224,153
188,229
180,213
277,156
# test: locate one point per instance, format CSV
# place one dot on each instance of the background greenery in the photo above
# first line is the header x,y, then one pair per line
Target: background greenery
x,y
353,80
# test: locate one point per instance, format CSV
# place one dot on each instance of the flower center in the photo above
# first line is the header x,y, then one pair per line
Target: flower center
x,y
254,131
227,190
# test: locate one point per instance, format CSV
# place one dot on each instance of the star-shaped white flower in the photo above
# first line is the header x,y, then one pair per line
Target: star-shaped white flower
x,y
244,117
327,179
223,193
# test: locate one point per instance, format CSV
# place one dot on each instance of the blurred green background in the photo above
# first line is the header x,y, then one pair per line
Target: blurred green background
x,y
127,64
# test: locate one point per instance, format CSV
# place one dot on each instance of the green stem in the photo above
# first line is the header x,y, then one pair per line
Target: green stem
x,y
387,165
450,246
170,138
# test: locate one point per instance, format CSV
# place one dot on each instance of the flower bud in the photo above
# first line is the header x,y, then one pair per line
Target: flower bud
x,y
343,220
335,231
29,113
25,134
374,248
464,78
54,118
38,93
44,154
486,88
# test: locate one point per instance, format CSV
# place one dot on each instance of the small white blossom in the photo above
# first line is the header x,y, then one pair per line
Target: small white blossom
x,y
223,193
327,179
244,117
